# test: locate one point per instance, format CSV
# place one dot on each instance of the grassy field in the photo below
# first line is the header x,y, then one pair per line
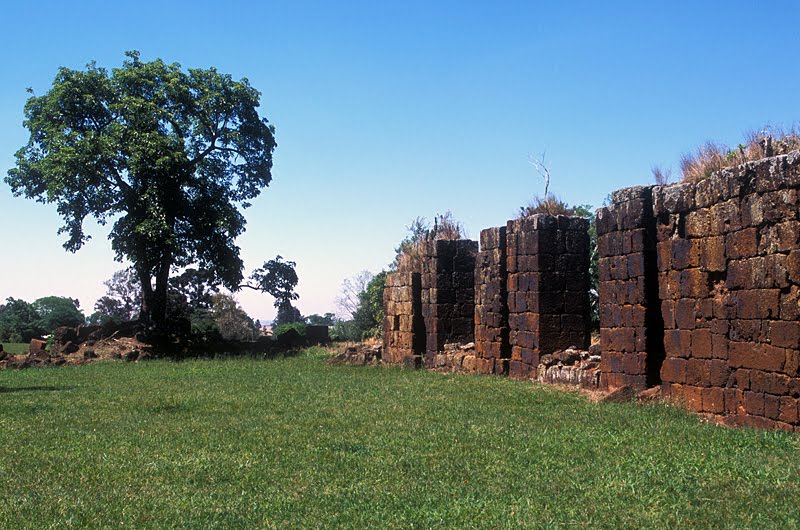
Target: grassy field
x,y
15,347
295,443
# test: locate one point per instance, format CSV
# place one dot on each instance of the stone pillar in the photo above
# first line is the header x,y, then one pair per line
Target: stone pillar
x,y
548,288
403,327
628,289
448,294
492,348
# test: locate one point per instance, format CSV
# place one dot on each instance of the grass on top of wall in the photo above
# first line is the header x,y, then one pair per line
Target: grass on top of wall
x,y
296,443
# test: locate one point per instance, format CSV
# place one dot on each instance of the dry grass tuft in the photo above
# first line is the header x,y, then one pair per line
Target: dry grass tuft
x,y
551,205
661,176
712,157
412,249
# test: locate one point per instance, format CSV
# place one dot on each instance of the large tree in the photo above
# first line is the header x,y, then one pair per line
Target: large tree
x,y
169,155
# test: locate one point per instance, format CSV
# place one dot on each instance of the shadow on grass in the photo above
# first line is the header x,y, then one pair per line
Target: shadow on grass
x,y
4,390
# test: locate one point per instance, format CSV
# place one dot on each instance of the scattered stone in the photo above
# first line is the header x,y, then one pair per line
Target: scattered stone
x,y
36,346
359,355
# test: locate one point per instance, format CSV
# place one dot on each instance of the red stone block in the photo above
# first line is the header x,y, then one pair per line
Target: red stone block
x,y
678,342
791,366
693,397
698,372
518,370
718,373
673,370
754,403
713,400
694,283
756,303
719,346
788,410
635,363
685,313
734,401
784,334
742,244
702,346
685,254
757,356
668,313
793,266
712,254
771,407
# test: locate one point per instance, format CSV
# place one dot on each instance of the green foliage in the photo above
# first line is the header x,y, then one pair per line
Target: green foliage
x,y
313,445
231,320
368,317
287,314
19,321
346,330
169,155
122,300
57,311
328,319
277,278
280,329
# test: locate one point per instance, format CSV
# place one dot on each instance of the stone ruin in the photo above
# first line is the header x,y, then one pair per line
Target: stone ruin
x,y
699,297
499,310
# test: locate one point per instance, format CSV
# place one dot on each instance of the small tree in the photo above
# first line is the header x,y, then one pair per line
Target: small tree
x,y
232,321
57,311
19,321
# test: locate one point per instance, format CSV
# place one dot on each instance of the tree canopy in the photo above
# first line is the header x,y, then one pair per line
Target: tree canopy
x,y
169,155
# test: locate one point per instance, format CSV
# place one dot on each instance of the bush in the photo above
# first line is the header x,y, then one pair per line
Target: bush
x,y
280,329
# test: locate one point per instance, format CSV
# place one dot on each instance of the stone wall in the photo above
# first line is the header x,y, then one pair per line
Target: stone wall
x,y
448,294
726,335
492,347
548,288
403,325
729,271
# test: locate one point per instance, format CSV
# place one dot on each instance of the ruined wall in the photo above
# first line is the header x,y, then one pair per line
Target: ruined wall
x,y
729,271
628,291
403,326
448,294
726,337
548,288
492,347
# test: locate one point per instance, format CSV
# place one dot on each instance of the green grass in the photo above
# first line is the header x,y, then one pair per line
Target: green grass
x,y
15,348
295,443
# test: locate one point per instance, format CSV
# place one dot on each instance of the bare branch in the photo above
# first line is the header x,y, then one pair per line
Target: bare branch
x,y
543,170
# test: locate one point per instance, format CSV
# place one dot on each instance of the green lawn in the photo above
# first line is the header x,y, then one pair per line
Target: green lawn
x,y
295,443
15,347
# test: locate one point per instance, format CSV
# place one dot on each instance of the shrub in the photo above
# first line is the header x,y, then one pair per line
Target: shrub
x,y
551,205
299,327
411,249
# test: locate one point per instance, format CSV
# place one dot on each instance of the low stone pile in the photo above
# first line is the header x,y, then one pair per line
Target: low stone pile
x,y
359,355
571,367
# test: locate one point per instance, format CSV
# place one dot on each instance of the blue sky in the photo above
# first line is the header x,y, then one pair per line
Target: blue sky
x,y
390,110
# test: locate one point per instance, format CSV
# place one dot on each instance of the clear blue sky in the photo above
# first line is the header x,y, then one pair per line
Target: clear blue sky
x,y
390,110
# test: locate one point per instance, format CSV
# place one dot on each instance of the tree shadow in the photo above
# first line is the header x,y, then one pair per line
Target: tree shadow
x,y
4,390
